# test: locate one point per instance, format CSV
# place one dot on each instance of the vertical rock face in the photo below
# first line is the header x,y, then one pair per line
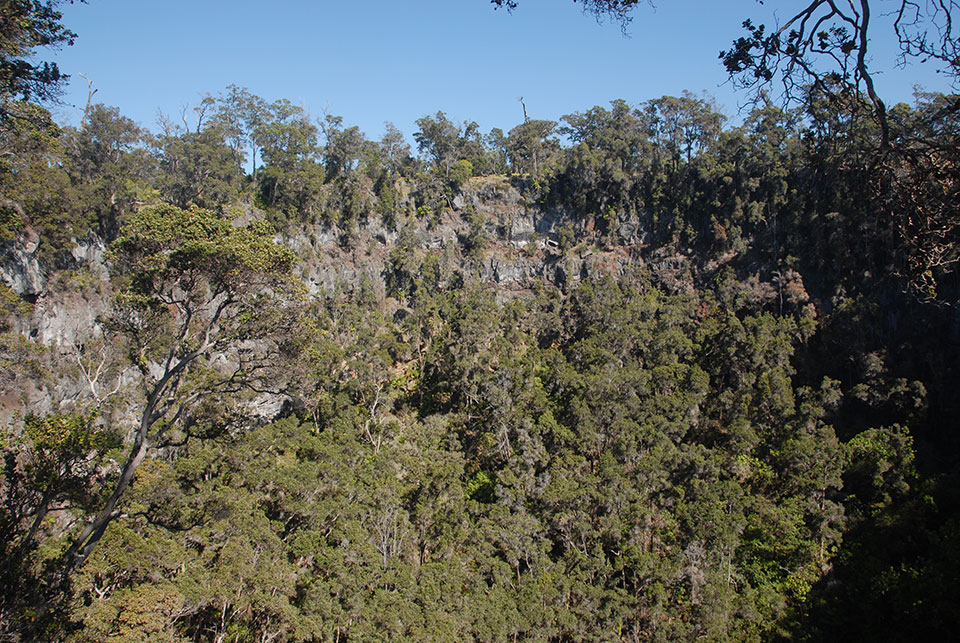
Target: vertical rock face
x,y
91,251
66,303
20,268
63,317
494,233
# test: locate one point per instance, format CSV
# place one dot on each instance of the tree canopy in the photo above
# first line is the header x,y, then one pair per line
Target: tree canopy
x,y
638,373
27,25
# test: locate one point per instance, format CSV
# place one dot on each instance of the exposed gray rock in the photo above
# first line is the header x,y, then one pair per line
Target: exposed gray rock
x,y
66,320
522,247
20,268
90,250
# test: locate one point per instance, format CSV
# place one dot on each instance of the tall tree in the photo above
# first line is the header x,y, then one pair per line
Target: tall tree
x,y
394,149
292,176
826,44
238,115
530,144
106,162
197,169
438,138
26,25
190,286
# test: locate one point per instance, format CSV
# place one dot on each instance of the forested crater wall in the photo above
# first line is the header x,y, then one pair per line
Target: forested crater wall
x,y
653,382
493,234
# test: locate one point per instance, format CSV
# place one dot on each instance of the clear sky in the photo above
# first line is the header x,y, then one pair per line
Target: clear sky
x,y
388,60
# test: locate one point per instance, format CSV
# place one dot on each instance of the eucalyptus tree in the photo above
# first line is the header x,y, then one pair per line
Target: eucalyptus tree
x,y
238,115
27,25
292,175
189,286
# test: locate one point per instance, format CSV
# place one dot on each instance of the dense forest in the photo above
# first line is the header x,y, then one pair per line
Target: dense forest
x,y
636,374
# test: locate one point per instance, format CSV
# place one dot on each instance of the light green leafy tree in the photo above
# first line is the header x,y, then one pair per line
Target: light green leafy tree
x,y
189,286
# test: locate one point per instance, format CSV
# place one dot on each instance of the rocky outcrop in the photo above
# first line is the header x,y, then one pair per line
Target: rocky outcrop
x,y
66,302
20,267
523,244
494,233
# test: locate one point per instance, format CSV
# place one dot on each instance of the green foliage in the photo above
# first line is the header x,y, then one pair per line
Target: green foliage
x,y
36,190
28,25
292,177
531,146
481,487
439,138
188,283
63,437
461,171
238,115
477,238
10,305
717,443
51,463
160,244
198,170
107,164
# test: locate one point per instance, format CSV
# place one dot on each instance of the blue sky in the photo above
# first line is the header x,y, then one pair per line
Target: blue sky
x,y
385,60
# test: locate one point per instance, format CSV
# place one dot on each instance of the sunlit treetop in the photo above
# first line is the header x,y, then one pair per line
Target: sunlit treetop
x,y
25,26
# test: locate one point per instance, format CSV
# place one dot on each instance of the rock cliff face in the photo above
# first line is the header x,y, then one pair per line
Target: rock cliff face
x,y
493,234
523,244
20,268
67,302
